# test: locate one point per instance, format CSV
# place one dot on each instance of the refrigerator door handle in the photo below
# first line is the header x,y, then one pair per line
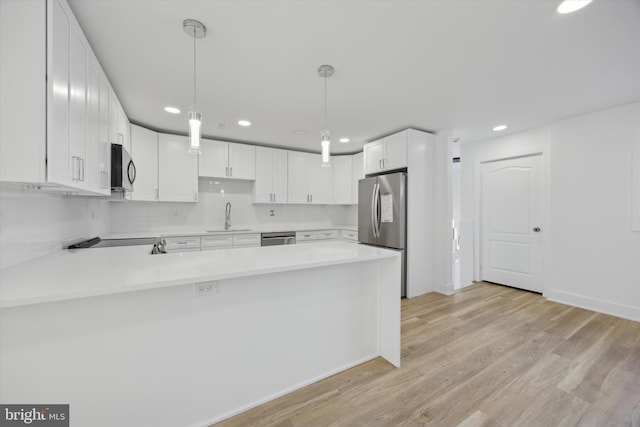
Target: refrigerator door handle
x,y
376,208
373,210
378,213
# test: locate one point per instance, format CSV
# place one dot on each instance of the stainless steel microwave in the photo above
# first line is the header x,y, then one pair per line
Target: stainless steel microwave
x,y
123,170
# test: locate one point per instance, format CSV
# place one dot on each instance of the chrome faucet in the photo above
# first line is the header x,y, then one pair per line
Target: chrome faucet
x,y
227,216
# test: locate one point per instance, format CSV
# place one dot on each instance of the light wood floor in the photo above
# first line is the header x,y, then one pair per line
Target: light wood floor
x,y
487,356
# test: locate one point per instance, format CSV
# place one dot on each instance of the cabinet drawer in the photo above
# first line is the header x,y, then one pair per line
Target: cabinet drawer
x,y
178,243
218,241
327,234
350,235
246,239
301,236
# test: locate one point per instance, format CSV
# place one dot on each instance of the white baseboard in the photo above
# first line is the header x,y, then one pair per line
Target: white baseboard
x,y
285,391
601,306
444,288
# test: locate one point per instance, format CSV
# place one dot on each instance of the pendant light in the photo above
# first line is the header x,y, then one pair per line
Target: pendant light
x,y
196,30
325,71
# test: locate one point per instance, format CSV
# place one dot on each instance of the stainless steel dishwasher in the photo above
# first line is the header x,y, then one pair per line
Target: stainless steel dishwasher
x,y
279,238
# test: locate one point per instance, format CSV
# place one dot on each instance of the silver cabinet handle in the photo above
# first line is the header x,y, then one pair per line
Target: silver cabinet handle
x,y
274,197
81,169
226,171
230,171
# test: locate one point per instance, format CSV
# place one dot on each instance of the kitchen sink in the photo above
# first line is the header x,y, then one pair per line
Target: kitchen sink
x,y
231,230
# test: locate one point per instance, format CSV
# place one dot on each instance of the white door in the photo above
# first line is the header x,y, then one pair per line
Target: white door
x,y
512,222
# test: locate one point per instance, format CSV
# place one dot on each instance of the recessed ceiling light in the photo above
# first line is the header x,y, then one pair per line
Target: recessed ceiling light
x,y
300,132
172,110
244,123
568,6
344,140
499,128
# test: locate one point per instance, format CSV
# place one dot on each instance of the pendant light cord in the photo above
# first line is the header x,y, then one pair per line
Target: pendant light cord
x,y
325,101
195,99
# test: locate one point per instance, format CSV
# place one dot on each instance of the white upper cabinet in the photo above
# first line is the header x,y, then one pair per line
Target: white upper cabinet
x,y
271,176
386,154
177,170
357,173
144,152
308,181
342,176
62,144
221,159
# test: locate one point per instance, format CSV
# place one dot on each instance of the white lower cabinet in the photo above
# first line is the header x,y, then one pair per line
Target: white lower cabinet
x,y
177,170
182,243
224,241
246,240
349,235
315,235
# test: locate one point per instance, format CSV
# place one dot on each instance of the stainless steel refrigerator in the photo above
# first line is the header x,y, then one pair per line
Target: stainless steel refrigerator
x,y
382,214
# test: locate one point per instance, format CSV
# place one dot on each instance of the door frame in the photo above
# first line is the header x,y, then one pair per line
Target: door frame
x,y
542,149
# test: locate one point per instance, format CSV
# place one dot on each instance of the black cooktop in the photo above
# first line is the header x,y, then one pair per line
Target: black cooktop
x,y
97,242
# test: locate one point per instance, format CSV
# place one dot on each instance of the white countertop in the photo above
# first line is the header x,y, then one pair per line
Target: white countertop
x,y
83,273
190,231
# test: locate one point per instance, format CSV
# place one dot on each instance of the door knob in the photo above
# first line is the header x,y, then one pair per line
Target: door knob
x,y
536,229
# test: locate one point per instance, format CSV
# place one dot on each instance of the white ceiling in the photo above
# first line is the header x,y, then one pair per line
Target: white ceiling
x,y
465,65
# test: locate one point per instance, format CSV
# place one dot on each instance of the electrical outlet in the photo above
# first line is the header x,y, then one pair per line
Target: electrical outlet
x,y
205,288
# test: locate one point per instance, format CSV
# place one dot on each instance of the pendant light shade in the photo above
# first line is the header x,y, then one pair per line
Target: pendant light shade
x,y
325,71
326,144
195,120
196,30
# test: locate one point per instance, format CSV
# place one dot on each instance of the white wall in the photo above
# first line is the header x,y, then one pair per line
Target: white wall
x,y
209,211
590,252
33,223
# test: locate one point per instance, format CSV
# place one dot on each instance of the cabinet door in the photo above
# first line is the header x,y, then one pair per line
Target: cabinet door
x,y
373,156
263,189
280,176
113,117
93,125
144,152
104,157
320,180
242,161
58,162
214,159
357,173
396,151
342,185
123,128
177,170
297,177
77,107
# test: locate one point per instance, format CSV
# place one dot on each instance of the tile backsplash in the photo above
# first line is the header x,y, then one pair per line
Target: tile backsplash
x,y
34,223
208,212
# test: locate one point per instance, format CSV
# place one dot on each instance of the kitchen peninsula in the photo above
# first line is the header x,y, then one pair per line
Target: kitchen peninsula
x,y
126,335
